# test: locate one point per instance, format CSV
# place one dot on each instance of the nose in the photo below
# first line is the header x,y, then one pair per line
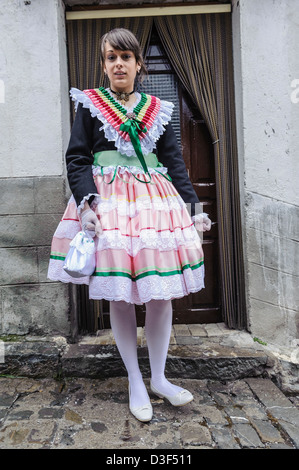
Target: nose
x,y
119,62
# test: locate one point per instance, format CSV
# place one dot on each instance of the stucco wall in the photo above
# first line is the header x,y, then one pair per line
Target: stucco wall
x,y
266,36
34,122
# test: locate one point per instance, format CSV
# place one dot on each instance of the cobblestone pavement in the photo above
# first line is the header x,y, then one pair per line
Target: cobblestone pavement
x,y
84,413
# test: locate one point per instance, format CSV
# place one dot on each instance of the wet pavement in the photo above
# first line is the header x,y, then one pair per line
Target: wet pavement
x,y
89,413
57,395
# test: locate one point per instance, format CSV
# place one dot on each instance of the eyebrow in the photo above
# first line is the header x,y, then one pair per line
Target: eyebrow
x,y
113,50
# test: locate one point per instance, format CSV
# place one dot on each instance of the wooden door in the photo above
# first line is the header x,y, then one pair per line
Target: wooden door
x,y
197,150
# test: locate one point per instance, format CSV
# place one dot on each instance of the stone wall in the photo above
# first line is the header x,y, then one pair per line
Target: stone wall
x,y
266,35
34,120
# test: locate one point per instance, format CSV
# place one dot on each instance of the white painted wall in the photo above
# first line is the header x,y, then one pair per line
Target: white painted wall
x,y
34,118
34,132
266,37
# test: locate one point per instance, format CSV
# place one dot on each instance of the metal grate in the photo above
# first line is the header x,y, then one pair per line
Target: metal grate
x,y
165,87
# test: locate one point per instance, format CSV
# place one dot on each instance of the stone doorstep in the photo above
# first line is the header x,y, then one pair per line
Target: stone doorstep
x,y
180,334
195,351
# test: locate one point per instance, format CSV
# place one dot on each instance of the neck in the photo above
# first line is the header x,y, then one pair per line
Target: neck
x,y
123,96
115,91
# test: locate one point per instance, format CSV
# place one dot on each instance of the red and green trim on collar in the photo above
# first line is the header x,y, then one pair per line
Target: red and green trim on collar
x,y
145,112
131,126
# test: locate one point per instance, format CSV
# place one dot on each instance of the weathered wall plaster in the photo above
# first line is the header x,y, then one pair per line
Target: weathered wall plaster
x,y
265,38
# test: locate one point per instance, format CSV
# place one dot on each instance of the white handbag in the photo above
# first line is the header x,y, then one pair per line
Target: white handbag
x,y
81,258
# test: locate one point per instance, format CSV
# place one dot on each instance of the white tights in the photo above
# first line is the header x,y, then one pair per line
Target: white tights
x,y
158,322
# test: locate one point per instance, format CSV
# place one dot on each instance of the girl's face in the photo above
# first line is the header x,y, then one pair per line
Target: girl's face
x,y
121,68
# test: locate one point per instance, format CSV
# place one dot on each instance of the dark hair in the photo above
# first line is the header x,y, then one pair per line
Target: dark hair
x,y
124,40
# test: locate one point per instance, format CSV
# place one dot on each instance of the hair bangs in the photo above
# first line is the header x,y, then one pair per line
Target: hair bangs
x,y
122,40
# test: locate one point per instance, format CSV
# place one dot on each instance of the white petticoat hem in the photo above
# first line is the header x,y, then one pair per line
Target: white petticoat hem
x,y
135,292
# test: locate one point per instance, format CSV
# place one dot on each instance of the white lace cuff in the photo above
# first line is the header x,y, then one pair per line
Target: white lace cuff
x,y
95,201
202,222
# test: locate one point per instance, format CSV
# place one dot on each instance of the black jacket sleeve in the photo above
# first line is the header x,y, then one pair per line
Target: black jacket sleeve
x,y
169,154
79,155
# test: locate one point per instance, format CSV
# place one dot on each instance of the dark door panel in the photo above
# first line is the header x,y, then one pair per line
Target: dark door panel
x,y
197,149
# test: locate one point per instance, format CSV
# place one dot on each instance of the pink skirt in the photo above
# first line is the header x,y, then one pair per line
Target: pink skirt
x,y
149,248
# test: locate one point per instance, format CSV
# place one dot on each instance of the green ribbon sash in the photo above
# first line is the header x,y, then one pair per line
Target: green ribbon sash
x,y
132,126
115,159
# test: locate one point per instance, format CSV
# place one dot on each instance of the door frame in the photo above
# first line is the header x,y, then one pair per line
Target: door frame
x,y
77,13
100,13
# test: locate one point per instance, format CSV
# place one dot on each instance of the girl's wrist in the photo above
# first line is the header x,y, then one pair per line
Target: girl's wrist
x,y
86,206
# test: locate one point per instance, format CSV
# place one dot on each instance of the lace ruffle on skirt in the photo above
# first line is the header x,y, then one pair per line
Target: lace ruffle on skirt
x,y
149,248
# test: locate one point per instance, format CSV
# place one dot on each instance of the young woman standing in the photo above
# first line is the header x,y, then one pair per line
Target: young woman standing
x,y
130,191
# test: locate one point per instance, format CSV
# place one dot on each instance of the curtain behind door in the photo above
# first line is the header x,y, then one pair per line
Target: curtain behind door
x,y
200,50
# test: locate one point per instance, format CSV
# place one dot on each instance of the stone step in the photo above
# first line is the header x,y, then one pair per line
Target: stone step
x,y
87,360
195,351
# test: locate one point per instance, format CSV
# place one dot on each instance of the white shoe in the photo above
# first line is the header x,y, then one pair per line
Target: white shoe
x,y
179,399
142,413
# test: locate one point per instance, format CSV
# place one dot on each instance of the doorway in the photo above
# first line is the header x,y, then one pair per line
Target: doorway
x,y
219,301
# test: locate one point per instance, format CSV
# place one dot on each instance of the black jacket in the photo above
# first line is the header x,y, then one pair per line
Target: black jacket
x,y
86,139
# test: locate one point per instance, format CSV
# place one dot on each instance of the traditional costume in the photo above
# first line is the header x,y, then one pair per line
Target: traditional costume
x,y
127,164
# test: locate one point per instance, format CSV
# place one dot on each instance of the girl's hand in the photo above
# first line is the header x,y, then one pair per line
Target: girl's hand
x,y
90,223
202,222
